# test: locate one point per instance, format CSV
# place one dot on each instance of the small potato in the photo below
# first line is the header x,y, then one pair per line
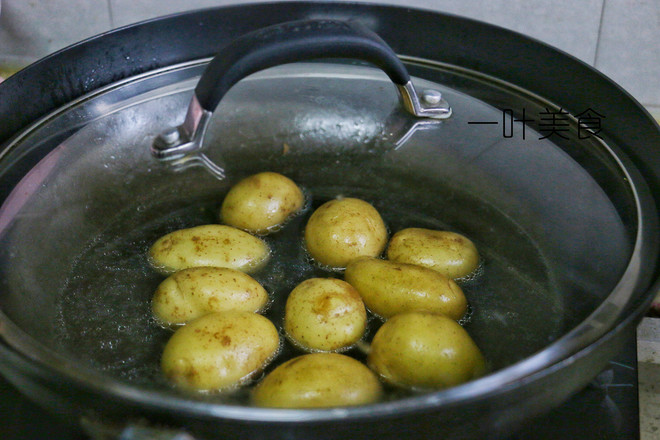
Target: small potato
x,y
388,288
424,351
324,314
344,229
261,202
318,380
220,350
208,245
449,253
191,293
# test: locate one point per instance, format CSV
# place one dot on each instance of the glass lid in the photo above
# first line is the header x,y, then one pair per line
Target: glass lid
x,y
542,196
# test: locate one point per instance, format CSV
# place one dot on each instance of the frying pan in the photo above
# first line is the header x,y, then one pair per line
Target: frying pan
x,y
563,214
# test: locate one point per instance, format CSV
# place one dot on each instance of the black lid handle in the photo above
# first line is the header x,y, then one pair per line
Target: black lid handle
x,y
291,42
281,44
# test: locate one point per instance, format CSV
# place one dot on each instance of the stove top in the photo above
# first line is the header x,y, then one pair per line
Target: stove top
x,y
607,409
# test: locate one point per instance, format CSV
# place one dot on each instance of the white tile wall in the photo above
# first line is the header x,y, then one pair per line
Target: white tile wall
x,y
629,47
130,11
569,25
541,19
30,29
648,356
619,37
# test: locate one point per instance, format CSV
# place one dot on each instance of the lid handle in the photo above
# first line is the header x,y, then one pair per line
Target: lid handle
x,y
280,44
291,42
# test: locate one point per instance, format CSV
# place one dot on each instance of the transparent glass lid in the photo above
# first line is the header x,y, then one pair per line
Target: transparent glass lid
x,y
543,197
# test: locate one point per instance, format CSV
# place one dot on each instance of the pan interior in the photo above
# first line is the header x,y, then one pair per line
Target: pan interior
x,y
553,218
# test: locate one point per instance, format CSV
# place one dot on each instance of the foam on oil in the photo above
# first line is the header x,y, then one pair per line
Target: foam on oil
x,y
105,317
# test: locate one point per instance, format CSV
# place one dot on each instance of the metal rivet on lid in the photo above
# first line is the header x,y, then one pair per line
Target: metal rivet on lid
x,y
431,97
170,136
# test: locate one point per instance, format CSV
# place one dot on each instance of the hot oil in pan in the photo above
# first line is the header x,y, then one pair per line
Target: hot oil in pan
x,y
105,315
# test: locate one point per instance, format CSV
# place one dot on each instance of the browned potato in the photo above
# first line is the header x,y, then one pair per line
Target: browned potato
x,y
424,351
388,288
262,202
344,229
324,314
449,253
318,380
208,245
220,350
191,293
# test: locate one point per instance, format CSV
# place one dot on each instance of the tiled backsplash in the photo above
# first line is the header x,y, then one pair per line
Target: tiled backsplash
x,y
619,37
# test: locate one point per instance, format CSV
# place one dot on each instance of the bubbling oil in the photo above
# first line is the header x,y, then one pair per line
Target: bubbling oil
x,y
104,308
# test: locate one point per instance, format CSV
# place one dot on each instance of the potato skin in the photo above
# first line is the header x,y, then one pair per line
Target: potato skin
x,y
449,253
424,351
220,350
388,288
191,293
341,230
208,245
318,380
261,202
324,314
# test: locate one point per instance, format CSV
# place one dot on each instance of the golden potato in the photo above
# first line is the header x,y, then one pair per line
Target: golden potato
x,y
318,380
449,253
388,288
191,293
261,202
220,350
424,351
208,245
324,314
343,229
